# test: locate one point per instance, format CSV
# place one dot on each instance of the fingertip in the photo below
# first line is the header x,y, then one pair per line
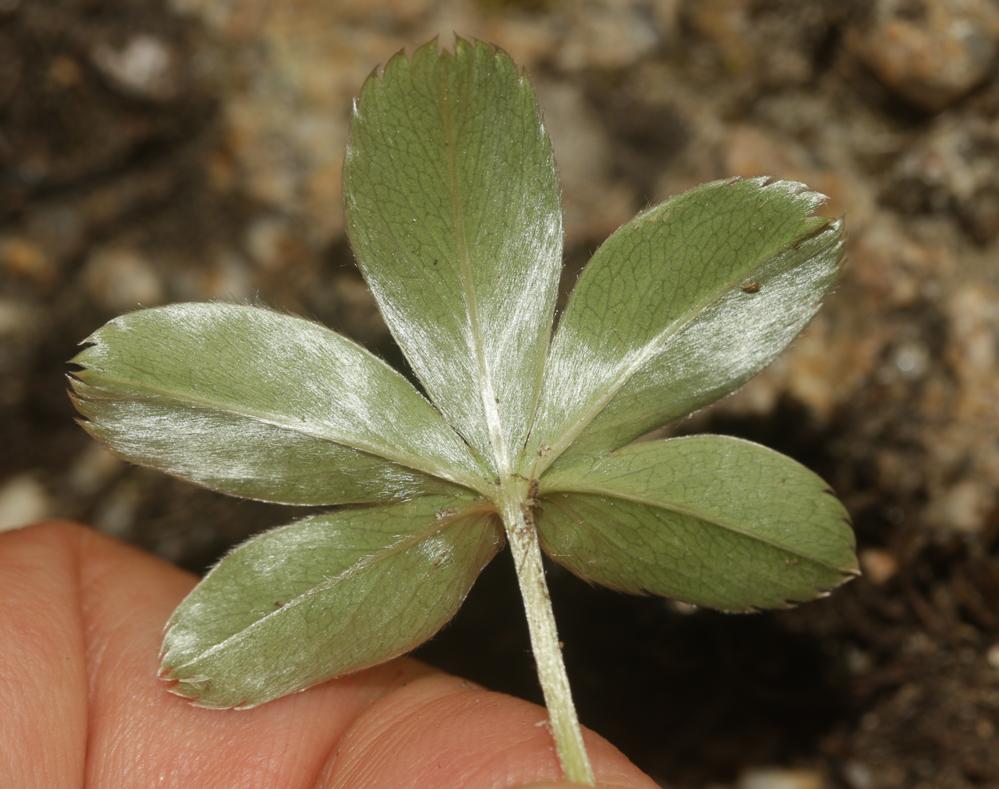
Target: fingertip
x,y
443,731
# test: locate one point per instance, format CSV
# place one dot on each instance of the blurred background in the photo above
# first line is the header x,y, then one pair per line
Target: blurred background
x,y
154,151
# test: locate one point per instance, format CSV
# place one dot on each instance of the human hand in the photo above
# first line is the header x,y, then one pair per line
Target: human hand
x,y
81,618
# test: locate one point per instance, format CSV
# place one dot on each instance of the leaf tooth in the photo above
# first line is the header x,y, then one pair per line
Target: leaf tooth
x,y
246,705
789,188
462,46
192,686
399,59
821,593
378,72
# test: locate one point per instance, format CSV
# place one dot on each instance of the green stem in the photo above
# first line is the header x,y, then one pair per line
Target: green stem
x,y
523,538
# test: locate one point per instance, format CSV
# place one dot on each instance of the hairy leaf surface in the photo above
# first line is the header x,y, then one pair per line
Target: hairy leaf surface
x,y
679,307
710,520
326,596
262,405
453,212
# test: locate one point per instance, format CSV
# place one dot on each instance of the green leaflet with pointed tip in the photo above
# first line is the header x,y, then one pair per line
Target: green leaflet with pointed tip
x,y
262,405
710,520
453,212
325,596
680,306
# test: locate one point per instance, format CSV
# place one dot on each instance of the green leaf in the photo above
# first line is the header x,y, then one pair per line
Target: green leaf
x,y
326,596
710,520
679,307
453,212
257,404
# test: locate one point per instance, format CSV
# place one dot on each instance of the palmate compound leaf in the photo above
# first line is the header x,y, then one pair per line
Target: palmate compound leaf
x,y
709,520
262,405
679,307
453,212
452,207
326,596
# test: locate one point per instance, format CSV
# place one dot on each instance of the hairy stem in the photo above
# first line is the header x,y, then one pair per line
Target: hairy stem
x,y
522,535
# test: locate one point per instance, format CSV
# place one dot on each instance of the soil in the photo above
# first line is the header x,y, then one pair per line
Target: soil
x,y
153,152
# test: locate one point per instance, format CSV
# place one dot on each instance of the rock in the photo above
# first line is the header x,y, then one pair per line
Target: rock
x,y
64,72
117,509
965,448
272,243
911,359
879,565
120,278
607,35
975,323
953,171
891,267
143,67
858,775
92,469
22,257
16,321
23,500
779,778
726,26
962,507
824,366
44,241
758,45
593,204
929,52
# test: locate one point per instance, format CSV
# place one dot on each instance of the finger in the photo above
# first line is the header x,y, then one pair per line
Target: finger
x,y
443,731
140,731
138,734
43,684
83,617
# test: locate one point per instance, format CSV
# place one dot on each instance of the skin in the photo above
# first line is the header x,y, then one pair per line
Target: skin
x,y
81,618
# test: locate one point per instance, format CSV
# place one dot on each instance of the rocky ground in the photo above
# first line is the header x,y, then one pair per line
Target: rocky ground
x,y
154,151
